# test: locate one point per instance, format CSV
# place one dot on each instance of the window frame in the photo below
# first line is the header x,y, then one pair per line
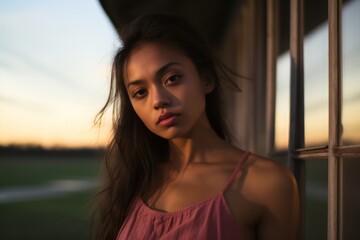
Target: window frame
x,y
297,154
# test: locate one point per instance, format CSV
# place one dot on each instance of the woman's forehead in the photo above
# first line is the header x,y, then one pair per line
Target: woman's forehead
x,y
155,50
148,58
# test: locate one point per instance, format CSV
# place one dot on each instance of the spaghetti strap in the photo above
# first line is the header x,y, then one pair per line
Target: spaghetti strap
x,y
236,170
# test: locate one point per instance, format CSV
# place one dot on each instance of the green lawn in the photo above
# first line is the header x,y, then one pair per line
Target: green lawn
x,y
31,170
66,217
61,217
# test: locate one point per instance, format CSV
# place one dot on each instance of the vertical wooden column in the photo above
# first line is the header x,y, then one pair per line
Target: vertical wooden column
x,y
272,32
334,226
296,133
296,138
260,96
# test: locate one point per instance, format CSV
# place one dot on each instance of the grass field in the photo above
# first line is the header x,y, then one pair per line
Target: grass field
x,y
68,216
31,170
62,217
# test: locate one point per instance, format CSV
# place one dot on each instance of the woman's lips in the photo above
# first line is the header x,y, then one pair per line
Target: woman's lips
x,y
167,119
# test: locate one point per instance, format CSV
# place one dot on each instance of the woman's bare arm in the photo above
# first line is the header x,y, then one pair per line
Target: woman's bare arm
x,y
272,187
280,217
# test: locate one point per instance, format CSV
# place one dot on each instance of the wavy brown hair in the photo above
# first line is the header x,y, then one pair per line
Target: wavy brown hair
x,y
135,154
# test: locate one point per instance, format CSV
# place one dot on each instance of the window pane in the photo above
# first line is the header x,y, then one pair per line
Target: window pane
x,y
316,199
282,113
351,198
351,72
316,73
282,105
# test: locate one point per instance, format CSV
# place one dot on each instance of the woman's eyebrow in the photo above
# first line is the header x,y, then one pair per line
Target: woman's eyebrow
x,y
158,73
135,82
163,69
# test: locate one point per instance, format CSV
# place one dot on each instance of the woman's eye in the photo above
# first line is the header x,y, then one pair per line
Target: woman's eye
x,y
139,93
173,79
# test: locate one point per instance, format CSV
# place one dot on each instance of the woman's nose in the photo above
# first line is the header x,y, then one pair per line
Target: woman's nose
x,y
161,98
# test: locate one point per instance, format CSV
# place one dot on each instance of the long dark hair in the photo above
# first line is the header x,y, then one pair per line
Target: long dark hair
x,y
134,154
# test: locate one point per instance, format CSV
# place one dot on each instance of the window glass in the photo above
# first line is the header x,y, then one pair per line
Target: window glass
x,y
282,113
350,198
351,72
316,199
316,74
282,104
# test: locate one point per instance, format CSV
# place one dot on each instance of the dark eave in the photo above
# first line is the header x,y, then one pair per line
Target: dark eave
x,y
211,17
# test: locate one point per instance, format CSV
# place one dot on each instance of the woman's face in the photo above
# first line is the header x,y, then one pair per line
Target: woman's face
x,y
165,90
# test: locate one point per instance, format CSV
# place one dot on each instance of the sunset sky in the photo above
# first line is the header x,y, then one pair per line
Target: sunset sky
x,y
316,83
54,68
55,64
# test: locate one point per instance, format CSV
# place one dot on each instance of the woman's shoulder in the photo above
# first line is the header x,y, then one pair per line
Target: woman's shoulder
x,y
265,167
268,178
264,194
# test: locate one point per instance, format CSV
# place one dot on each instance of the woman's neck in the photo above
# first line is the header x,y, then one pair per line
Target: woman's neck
x,y
195,148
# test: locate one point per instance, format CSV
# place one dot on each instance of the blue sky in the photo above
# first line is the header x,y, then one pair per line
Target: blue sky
x,y
54,68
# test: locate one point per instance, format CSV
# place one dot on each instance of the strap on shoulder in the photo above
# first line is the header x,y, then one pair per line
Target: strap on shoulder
x,y
236,170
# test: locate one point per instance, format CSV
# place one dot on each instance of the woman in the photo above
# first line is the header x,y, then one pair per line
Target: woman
x,y
170,172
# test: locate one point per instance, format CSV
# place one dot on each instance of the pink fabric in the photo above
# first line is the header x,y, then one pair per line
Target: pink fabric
x,y
209,219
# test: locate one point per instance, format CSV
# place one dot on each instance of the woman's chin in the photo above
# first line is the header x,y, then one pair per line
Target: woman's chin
x,y
172,134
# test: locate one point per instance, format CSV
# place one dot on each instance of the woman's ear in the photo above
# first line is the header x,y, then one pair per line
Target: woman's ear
x,y
208,83
209,86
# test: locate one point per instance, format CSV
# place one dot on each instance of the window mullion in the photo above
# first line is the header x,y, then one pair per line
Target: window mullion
x,y
334,225
296,131
272,52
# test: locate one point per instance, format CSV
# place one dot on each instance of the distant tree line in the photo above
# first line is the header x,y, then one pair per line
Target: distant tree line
x,y
37,150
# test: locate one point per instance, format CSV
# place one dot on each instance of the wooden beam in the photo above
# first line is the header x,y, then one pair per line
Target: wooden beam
x,y
335,89
296,133
312,153
347,151
271,57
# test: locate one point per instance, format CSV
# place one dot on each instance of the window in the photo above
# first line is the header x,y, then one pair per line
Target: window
x,y
317,114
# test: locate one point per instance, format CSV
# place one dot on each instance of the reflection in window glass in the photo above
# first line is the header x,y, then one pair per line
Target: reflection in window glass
x,y
316,80
351,198
351,72
316,199
282,113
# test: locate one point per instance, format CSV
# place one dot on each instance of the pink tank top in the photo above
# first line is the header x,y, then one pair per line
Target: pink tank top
x,y
209,219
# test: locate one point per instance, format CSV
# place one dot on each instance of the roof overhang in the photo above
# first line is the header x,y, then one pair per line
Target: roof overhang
x,y
211,17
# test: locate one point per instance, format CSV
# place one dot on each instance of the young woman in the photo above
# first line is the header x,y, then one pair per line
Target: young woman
x,y
170,171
